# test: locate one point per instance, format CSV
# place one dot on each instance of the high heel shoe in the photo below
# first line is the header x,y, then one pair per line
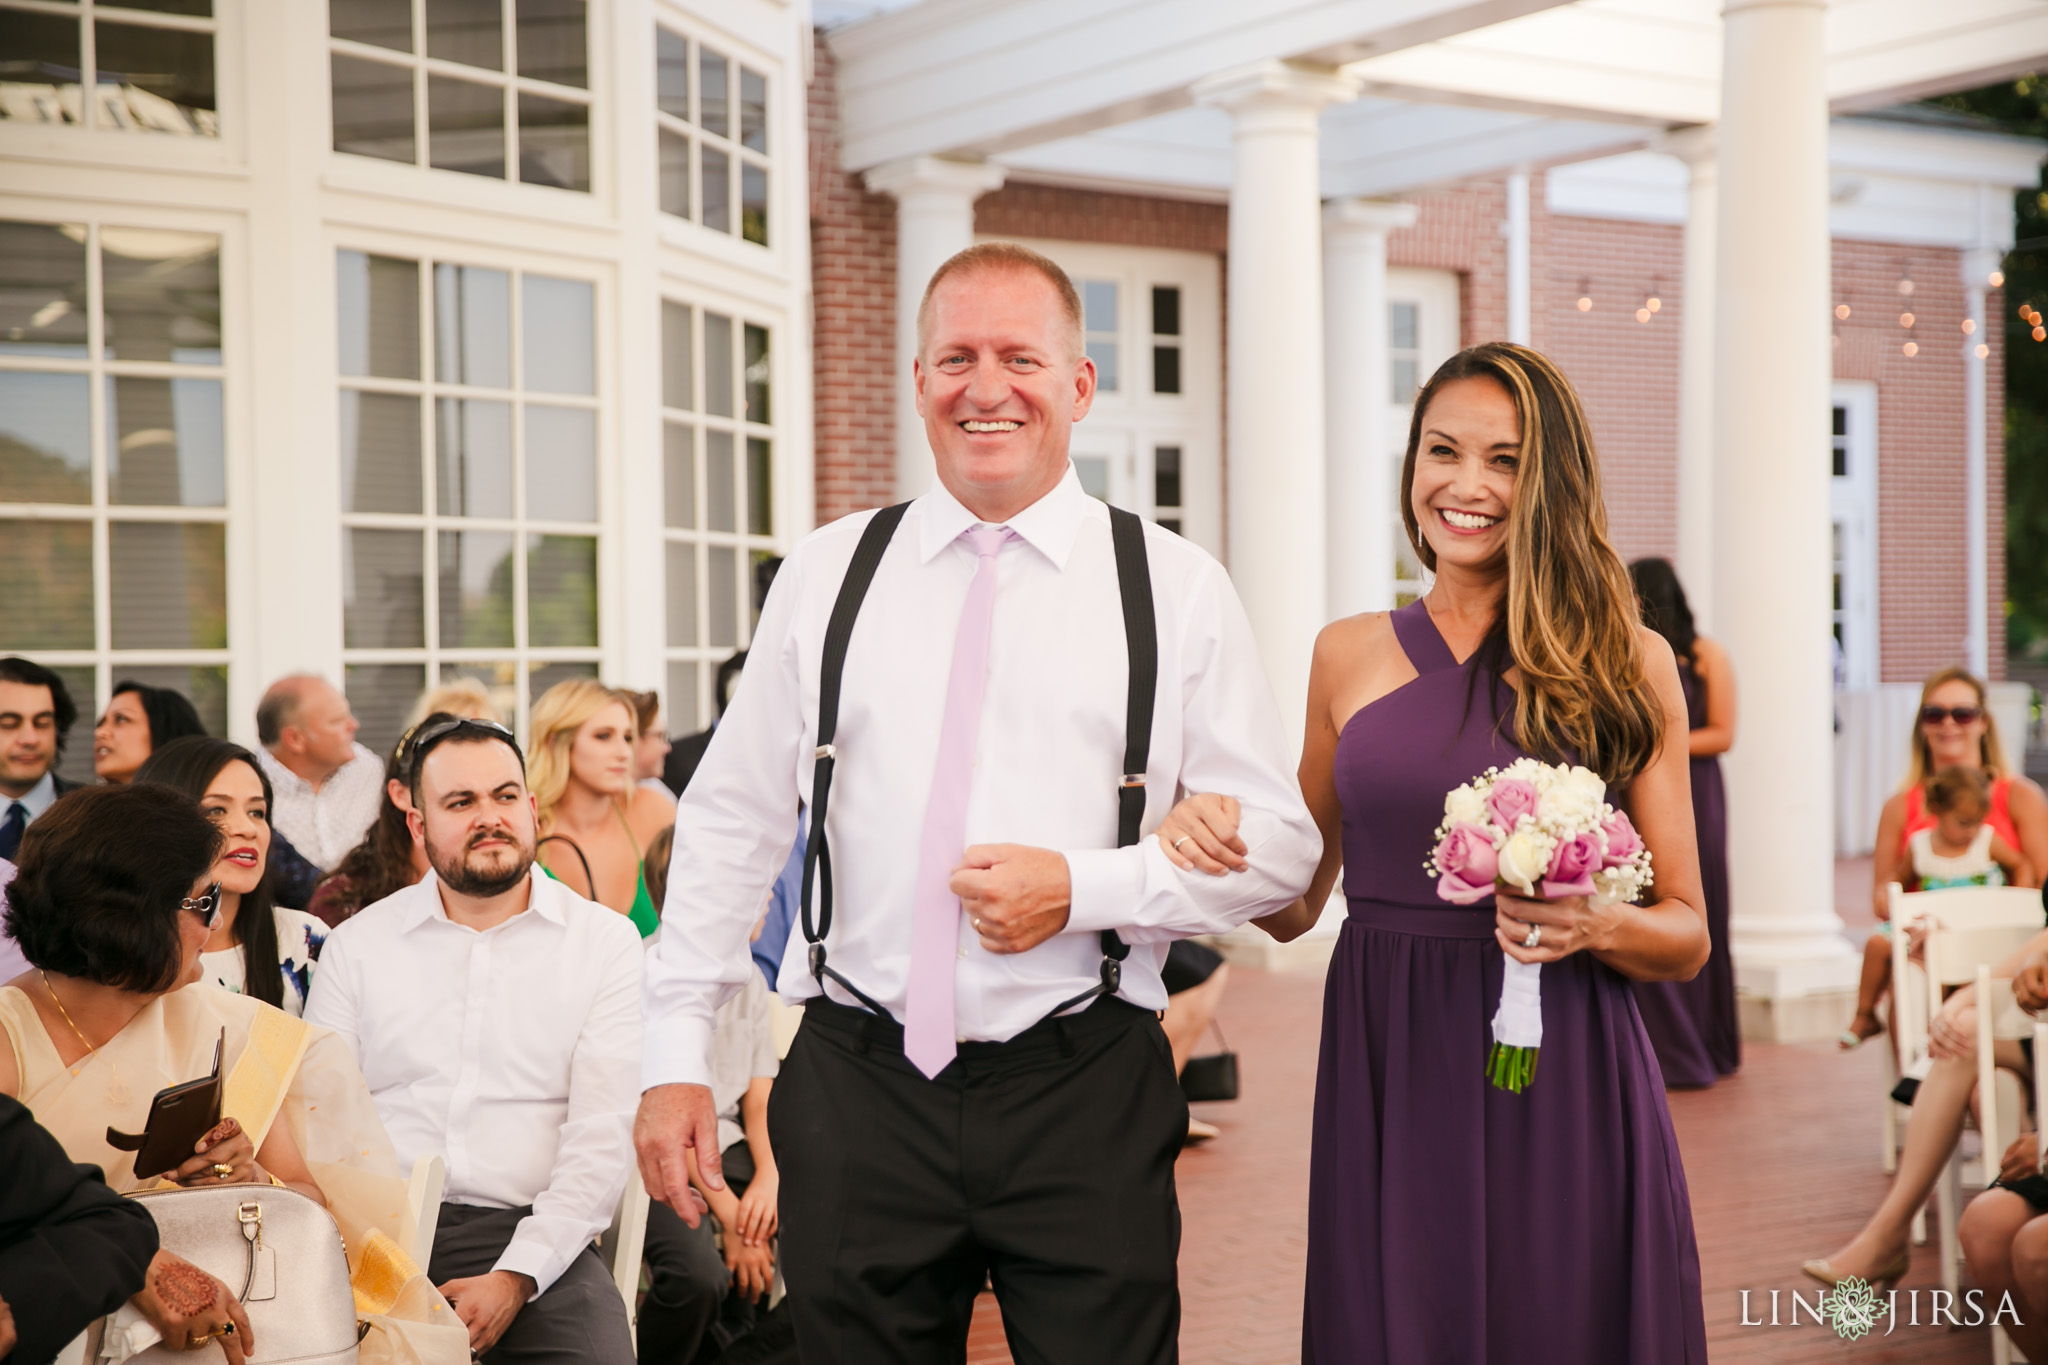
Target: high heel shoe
x,y
1884,1280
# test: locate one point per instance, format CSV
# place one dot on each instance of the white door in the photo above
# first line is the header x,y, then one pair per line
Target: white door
x,y
1422,333
1153,441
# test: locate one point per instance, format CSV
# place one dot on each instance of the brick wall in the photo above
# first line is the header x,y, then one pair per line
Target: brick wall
x,y
853,328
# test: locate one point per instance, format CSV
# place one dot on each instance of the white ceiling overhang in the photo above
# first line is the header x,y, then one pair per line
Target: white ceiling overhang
x,y
1096,92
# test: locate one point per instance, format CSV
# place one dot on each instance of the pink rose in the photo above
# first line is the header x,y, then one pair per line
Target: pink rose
x,y
1572,867
1623,843
1510,800
1466,861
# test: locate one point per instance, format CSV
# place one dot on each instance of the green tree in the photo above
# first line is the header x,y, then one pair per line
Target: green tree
x,y
2020,107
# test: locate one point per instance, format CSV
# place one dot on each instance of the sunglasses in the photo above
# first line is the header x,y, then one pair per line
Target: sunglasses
x,y
207,907
1961,715
413,748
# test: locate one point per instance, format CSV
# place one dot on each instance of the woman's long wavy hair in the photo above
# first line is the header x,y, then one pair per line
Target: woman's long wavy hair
x,y
381,865
1990,753
1570,624
561,711
190,764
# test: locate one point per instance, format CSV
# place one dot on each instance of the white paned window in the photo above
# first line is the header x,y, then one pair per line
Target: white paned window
x,y
148,65
711,117
469,470
497,88
718,467
113,474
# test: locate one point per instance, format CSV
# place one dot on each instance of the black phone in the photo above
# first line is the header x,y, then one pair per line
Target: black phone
x,y
178,1117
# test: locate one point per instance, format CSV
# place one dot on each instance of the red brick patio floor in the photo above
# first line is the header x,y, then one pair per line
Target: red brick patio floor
x,y
1781,1159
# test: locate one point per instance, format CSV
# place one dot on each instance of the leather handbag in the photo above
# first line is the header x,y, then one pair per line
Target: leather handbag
x,y
1213,1077
276,1250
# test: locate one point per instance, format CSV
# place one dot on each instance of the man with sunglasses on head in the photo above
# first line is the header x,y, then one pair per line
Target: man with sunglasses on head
x,y
496,1016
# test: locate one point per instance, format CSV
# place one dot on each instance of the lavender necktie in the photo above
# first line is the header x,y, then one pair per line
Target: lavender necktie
x,y
935,929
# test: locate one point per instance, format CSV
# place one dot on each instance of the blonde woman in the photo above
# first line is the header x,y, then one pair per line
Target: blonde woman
x,y
1449,1220
595,821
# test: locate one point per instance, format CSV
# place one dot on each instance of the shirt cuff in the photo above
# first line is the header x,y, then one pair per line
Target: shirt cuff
x,y
1106,884
528,1253
677,1051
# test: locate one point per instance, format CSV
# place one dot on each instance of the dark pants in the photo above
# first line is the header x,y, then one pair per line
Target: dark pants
x,y
688,1283
581,1316
1043,1165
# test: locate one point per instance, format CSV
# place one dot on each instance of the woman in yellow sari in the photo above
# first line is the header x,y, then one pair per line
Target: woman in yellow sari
x,y
112,904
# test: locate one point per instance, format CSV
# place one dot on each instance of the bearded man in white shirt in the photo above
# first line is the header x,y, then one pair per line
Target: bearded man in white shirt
x,y
496,1016
981,1089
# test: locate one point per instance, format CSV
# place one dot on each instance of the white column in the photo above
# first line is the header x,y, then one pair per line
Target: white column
x,y
934,219
1772,371
1275,430
1358,396
1695,146
1516,230
1977,266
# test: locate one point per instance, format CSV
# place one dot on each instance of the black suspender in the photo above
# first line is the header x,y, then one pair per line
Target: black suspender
x,y
1134,582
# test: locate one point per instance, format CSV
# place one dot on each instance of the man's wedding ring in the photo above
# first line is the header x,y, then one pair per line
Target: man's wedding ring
x,y
221,1170
1534,938
1183,839
976,922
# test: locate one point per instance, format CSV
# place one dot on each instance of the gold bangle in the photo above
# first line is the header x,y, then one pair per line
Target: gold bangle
x,y
275,1181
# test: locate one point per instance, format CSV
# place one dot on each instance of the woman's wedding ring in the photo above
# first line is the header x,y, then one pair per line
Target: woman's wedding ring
x,y
221,1170
1178,842
1534,938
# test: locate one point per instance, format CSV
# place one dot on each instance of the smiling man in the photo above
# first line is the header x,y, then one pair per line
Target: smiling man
x,y
980,1091
496,1015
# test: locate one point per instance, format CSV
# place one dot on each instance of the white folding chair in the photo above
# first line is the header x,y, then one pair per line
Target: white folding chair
x,y
623,1243
429,1179
1953,957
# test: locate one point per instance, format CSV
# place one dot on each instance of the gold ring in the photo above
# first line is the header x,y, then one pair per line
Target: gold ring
x,y
221,1170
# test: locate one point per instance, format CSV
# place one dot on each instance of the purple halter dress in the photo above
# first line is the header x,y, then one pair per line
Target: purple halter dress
x,y
1448,1221
1693,1024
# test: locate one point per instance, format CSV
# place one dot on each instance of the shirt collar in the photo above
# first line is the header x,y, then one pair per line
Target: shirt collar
x,y
38,798
424,900
1050,525
281,776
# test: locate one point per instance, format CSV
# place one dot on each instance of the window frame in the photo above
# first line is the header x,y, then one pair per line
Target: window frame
x,y
693,132
88,56
432,656
506,79
108,662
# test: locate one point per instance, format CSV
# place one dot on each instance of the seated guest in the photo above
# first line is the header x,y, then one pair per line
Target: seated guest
x,y
1881,1253
387,860
650,748
698,1291
113,905
594,821
2003,1230
36,714
327,785
496,1016
455,697
71,1250
232,791
138,718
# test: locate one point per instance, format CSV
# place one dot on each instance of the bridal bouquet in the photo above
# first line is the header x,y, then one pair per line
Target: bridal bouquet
x,y
1547,831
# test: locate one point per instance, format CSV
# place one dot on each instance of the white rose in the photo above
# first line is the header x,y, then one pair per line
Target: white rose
x,y
1466,805
1525,857
1581,786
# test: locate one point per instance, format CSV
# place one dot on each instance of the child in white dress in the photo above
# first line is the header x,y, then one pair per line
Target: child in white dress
x,y
1960,848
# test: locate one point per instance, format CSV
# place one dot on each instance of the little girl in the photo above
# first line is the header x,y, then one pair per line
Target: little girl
x,y
1960,848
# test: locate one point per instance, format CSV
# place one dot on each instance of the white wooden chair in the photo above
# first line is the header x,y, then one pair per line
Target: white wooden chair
x,y
1953,957
623,1243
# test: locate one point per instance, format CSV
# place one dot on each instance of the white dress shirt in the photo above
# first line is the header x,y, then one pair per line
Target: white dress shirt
x,y
512,1053
1049,757
326,824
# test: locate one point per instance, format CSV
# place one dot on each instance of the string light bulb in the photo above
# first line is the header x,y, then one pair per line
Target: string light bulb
x,y
1996,279
1653,303
1905,286
1969,326
2040,332
1642,315
1585,304
1982,350
1585,295
1911,348
1842,311
1906,320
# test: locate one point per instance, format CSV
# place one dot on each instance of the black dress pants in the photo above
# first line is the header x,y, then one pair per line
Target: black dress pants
x,y
1043,1165
579,1319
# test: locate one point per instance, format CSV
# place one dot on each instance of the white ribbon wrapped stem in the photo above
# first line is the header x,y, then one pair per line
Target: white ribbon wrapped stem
x,y
1519,1020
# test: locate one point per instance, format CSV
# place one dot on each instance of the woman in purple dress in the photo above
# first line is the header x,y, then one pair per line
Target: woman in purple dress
x,y
1450,1221
1693,1024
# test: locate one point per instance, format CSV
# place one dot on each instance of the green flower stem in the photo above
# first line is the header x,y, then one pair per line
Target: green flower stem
x,y
1511,1068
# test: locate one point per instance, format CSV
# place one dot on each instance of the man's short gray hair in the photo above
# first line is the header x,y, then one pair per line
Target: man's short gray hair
x,y
280,707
